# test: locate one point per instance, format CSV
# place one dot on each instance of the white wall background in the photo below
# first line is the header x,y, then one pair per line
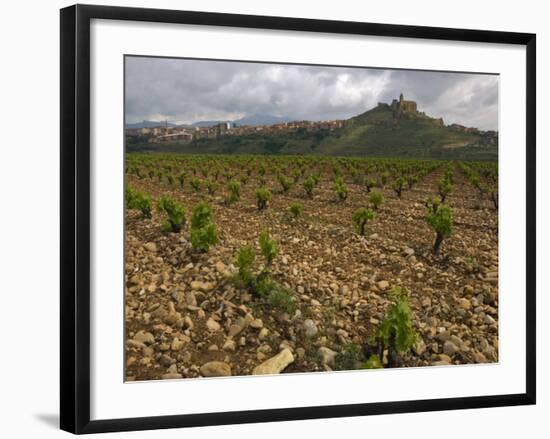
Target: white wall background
x,y
29,247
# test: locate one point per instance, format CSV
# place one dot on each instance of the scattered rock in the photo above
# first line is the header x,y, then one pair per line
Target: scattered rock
x,y
177,344
309,327
188,323
449,348
229,345
479,357
171,376
262,335
327,356
212,325
464,303
166,360
135,344
144,337
256,324
420,347
441,363
201,286
190,298
235,329
275,364
342,333
215,369
150,246
172,318
182,314
222,269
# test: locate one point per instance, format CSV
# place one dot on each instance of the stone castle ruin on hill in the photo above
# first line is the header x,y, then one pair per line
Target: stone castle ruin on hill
x,y
402,105
407,109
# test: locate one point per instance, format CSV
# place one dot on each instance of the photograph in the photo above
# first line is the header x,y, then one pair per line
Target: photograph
x,y
295,218
274,220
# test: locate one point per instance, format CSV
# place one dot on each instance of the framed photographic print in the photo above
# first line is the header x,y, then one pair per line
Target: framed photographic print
x,y
267,218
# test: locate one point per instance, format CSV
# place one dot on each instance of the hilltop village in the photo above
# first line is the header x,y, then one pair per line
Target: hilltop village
x,y
165,134
178,134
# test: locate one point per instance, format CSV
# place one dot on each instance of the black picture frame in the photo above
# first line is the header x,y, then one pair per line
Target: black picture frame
x,y
75,217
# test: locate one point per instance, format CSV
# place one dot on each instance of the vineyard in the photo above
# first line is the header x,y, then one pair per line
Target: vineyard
x,y
241,264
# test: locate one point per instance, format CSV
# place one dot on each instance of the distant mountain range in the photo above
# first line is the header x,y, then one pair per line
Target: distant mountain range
x,y
262,119
149,124
379,132
252,120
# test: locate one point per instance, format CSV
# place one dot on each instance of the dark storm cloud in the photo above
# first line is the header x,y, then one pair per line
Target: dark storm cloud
x,y
187,91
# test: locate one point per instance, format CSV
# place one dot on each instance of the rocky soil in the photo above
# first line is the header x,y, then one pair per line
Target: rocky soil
x,y
185,317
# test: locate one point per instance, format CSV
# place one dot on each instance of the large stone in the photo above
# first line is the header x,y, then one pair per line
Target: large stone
x,y
383,284
215,369
275,364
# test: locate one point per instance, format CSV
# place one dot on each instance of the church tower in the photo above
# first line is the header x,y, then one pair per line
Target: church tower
x,y
401,98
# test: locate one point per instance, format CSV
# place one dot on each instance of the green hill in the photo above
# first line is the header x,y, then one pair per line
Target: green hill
x,y
380,132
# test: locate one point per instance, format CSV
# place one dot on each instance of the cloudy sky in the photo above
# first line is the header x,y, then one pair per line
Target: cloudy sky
x,y
187,91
